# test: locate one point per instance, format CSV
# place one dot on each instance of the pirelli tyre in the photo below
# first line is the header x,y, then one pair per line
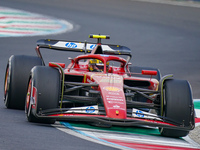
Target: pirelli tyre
x,y
137,69
178,106
43,93
16,79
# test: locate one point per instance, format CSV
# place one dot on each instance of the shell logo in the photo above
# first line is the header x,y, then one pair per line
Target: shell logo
x,y
112,88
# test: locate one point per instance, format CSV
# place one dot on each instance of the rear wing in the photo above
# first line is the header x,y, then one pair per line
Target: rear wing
x,y
85,47
66,45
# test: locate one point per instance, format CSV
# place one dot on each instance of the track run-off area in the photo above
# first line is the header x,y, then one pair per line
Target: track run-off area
x,y
15,23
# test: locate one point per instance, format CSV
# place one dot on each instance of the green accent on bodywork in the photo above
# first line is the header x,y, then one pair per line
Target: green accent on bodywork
x,y
131,130
197,105
162,94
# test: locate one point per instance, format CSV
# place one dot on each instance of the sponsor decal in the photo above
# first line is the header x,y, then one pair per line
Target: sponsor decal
x,y
116,106
139,113
97,75
90,109
87,109
92,46
112,88
115,99
143,114
116,102
105,55
110,80
71,45
89,81
113,96
112,93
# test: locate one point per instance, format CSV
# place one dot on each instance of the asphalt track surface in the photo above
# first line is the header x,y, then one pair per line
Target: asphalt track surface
x,y
161,36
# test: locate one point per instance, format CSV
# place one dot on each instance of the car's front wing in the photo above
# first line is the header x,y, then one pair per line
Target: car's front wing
x,y
104,120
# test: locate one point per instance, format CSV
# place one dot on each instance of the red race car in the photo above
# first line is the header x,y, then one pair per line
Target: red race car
x,y
98,87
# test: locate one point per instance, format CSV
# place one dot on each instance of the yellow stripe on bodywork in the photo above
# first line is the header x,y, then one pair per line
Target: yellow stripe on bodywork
x,y
84,79
99,36
162,95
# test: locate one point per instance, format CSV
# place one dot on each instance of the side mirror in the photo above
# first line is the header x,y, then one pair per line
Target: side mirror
x,y
54,64
149,72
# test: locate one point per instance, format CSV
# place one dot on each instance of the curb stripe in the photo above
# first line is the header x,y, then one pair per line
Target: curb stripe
x,y
30,26
29,22
133,140
26,29
20,23
148,146
125,140
66,124
16,32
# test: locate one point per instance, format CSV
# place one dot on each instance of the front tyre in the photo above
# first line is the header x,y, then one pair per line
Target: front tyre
x,y
178,106
16,79
43,93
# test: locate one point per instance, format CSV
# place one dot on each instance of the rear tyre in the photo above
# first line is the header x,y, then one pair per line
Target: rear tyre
x,y
178,106
16,79
43,93
136,69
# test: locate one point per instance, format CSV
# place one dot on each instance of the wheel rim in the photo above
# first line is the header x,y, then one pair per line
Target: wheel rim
x,y
28,98
6,85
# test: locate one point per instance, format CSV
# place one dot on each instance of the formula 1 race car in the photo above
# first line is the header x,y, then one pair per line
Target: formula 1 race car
x,y
99,88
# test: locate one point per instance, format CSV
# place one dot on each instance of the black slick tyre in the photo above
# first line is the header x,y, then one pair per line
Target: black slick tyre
x,y
43,93
16,79
178,106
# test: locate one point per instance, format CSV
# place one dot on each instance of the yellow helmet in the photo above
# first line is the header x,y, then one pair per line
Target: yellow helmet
x,y
96,65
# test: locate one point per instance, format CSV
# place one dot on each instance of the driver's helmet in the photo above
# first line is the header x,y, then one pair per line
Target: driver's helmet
x,y
97,65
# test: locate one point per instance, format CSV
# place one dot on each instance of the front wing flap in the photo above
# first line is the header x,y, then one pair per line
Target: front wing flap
x,y
101,119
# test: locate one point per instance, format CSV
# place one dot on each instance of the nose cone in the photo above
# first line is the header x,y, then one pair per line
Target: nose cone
x,y
112,93
116,113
